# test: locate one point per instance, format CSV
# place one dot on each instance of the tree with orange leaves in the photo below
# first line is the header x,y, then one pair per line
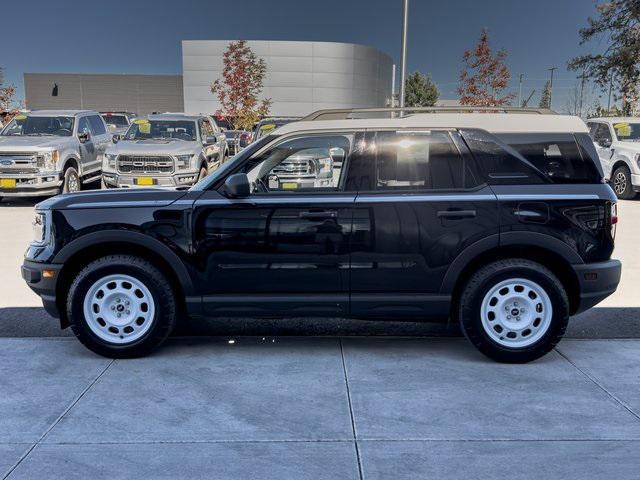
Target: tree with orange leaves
x,y
8,107
241,85
484,76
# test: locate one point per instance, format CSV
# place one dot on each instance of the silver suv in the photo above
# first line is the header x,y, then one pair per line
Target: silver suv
x,y
164,150
47,152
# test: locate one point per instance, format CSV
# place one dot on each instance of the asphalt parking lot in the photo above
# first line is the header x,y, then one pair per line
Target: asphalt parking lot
x,y
317,398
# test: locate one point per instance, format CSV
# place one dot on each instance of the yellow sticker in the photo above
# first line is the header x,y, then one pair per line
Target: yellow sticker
x,y
623,129
269,126
289,185
20,117
141,121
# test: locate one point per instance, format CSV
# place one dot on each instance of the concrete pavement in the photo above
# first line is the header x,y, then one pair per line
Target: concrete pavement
x,y
335,408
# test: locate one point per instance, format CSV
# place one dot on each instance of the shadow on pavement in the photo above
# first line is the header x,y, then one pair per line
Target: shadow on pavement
x,y
596,323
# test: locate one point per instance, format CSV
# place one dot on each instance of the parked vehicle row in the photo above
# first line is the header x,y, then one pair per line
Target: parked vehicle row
x,y
500,222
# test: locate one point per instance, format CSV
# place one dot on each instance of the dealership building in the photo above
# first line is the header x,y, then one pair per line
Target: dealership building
x,y
301,77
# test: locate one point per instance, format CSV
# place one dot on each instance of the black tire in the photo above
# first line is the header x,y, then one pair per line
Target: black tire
x,y
621,183
71,175
163,320
488,276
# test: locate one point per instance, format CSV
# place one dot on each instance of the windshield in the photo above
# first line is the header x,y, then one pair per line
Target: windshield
x,y
23,125
117,120
266,128
162,129
627,132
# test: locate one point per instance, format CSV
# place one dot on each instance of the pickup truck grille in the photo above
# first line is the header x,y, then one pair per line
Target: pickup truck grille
x,y
18,163
137,164
294,168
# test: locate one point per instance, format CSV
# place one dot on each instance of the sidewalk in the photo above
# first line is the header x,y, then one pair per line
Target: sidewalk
x,y
316,408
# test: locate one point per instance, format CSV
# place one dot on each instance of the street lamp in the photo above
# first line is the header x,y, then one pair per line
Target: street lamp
x,y
403,57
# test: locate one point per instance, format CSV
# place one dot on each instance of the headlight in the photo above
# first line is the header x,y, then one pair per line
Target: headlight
x,y
47,160
109,162
41,227
184,161
322,167
638,159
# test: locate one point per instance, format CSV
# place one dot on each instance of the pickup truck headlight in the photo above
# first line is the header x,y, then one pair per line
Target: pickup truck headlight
x,y
109,162
41,227
638,159
47,161
322,167
184,161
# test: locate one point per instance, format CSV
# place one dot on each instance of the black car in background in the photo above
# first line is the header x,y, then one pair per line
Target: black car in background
x,y
498,221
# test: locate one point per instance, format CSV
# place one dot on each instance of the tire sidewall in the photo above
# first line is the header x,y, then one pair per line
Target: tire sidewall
x,y
67,174
470,315
80,327
628,192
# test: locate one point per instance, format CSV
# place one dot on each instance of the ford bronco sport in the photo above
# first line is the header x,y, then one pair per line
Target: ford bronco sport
x,y
498,221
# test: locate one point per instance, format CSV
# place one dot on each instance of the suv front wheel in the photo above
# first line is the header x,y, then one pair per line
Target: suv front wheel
x,y
514,311
121,306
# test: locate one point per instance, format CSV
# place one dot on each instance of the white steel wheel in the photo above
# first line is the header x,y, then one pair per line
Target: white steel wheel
x,y
119,309
516,313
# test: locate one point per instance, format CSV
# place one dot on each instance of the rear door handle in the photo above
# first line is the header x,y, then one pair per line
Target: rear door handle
x,y
456,214
318,214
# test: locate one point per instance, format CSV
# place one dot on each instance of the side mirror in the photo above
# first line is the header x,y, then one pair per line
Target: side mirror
x,y
84,137
237,186
210,140
605,143
116,138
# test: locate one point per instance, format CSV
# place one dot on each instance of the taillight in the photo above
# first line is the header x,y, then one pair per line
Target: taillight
x,y
614,219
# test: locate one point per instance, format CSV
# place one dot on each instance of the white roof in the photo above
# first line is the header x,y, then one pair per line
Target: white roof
x,y
616,119
491,122
58,113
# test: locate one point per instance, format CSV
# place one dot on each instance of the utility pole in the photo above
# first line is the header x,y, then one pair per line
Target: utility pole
x,y
609,97
552,69
403,57
582,78
520,90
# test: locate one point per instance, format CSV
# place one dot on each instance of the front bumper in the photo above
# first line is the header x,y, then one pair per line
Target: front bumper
x,y
28,185
43,286
635,182
122,180
596,281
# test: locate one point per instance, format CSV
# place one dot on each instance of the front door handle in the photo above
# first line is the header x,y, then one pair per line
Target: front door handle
x,y
456,214
318,214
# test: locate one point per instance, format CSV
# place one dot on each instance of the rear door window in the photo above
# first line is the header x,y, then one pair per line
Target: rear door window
x,y
556,155
97,125
419,160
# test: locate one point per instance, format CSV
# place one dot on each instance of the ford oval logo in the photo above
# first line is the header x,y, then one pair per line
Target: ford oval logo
x,y
6,163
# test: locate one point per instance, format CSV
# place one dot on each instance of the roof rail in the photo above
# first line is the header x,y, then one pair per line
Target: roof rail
x,y
347,113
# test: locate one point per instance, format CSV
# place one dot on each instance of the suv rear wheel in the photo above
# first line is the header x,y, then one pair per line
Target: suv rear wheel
x,y
514,311
621,183
121,306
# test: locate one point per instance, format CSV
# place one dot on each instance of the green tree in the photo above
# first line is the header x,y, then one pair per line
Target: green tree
x,y
545,98
617,29
420,91
241,85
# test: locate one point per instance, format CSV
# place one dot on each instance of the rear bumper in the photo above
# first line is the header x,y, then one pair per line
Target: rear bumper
x,y
44,287
597,281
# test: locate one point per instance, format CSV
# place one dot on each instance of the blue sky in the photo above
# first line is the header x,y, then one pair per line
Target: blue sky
x,y
143,36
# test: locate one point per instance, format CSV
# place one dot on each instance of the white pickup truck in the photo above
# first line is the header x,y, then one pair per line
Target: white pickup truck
x,y
617,140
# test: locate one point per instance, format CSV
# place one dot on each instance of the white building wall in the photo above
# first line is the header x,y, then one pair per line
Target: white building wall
x,y
301,76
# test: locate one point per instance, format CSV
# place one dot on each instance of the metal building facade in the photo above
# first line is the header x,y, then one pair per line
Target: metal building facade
x,y
141,94
301,76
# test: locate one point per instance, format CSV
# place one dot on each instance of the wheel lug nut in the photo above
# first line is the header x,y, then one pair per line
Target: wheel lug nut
x,y
508,317
113,307
119,315
128,312
515,304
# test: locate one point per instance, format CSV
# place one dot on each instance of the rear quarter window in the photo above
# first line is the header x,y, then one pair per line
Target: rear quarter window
x,y
557,155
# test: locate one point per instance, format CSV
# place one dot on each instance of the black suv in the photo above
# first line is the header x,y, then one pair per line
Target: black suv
x,y
499,221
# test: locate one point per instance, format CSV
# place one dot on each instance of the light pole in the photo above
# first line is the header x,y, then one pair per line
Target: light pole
x,y
403,57
552,69
520,90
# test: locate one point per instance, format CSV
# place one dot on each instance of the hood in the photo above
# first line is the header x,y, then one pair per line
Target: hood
x,y
633,146
20,143
122,197
150,147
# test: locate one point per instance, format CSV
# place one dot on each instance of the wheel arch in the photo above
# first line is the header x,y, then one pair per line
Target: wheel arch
x,y
98,244
544,249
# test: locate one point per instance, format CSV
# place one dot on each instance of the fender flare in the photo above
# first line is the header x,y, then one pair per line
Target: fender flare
x,y
128,236
66,162
533,239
